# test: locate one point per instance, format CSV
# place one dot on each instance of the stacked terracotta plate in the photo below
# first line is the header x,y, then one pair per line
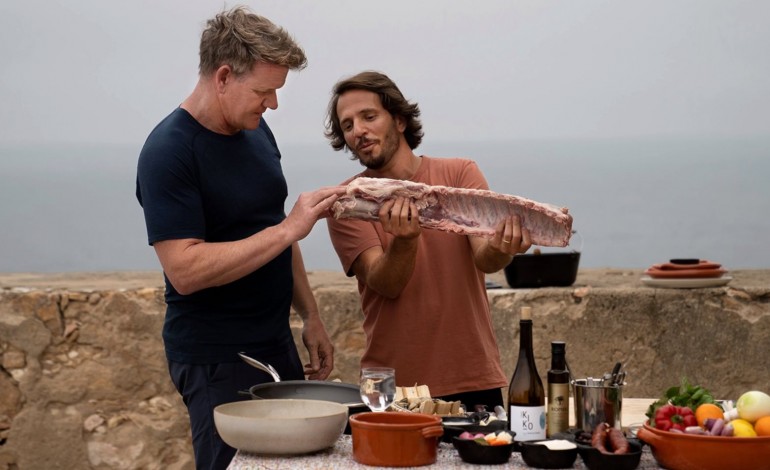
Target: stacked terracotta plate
x,y
686,274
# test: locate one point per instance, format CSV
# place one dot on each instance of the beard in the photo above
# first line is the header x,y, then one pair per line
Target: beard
x,y
389,146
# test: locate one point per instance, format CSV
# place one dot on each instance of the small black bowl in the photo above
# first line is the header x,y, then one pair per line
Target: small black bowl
x,y
596,460
473,452
535,454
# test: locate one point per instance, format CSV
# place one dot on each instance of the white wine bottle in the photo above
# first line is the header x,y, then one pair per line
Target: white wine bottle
x,y
526,397
558,391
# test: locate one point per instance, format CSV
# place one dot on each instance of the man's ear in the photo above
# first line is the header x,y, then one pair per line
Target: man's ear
x,y
222,77
400,123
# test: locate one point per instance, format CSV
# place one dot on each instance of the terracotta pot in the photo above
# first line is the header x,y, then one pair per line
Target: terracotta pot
x,y
395,439
677,451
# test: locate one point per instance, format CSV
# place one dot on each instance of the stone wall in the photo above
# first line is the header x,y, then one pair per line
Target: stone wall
x,y
84,382
83,379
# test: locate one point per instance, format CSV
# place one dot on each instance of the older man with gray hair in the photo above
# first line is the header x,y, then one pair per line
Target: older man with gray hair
x,y
210,182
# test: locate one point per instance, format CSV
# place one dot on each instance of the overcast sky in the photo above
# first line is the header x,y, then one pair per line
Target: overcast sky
x,y
107,71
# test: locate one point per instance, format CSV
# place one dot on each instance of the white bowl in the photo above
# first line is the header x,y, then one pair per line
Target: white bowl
x,y
280,426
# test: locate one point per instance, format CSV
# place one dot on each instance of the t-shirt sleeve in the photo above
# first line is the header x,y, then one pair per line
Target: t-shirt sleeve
x,y
470,176
169,194
350,238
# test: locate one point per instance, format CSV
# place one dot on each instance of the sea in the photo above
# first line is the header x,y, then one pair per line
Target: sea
x,y
635,202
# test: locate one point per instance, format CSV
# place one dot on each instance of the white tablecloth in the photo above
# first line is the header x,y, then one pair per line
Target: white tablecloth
x,y
341,457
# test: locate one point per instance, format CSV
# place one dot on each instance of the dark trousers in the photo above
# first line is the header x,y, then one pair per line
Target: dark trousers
x,y
205,386
489,398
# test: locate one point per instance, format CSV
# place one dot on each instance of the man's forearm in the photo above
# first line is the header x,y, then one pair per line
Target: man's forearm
x,y
193,265
489,260
303,300
391,272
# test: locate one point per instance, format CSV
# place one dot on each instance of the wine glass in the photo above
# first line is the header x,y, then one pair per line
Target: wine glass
x,y
378,387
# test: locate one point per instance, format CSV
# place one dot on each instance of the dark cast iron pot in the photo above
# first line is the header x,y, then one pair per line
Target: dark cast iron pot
x,y
546,269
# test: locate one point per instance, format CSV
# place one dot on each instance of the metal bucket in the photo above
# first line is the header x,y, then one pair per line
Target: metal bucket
x,y
596,404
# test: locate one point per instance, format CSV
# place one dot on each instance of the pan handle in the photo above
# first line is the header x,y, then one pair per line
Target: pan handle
x,y
432,431
259,365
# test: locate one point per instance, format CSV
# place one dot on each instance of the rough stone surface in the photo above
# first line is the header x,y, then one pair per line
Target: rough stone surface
x,y
84,384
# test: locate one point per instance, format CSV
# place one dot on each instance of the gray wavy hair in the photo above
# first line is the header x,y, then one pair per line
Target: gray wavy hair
x,y
240,38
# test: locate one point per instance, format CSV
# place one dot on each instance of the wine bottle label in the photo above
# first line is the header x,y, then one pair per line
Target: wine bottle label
x,y
528,422
558,408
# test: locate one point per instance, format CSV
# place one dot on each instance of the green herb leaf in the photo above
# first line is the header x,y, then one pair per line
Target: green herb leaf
x,y
685,394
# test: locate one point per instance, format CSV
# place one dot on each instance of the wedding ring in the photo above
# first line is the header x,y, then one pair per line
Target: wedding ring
x,y
507,241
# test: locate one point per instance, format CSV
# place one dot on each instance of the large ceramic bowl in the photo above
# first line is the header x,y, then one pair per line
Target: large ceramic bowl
x,y
677,451
349,394
284,427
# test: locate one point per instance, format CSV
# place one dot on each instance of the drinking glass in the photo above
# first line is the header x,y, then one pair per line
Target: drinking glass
x,y
378,387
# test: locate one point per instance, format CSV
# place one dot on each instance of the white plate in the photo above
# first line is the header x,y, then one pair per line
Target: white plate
x,y
686,283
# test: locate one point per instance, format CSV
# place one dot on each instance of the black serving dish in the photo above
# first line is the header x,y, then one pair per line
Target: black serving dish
x,y
472,452
596,460
535,454
454,429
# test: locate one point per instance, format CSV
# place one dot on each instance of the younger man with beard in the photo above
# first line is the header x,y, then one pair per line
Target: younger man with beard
x,y
423,294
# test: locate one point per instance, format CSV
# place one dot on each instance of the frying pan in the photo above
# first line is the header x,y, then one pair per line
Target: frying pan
x,y
347,394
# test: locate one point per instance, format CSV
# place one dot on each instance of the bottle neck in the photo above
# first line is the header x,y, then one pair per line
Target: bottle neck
x,y
558,362
526,354
525,335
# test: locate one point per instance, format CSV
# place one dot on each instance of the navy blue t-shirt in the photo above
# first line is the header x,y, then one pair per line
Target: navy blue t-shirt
x,y
195,183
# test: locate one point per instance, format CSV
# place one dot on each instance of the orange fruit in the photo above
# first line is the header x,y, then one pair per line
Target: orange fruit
x,y
707,410
762,426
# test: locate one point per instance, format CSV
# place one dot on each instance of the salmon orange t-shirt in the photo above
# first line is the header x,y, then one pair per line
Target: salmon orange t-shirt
x,y
438,331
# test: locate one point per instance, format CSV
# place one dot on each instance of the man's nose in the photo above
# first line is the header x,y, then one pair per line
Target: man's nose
x,y
271,101
359,129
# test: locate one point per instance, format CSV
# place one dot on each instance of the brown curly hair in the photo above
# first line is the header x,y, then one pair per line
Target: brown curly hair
x,y
391,99
240,38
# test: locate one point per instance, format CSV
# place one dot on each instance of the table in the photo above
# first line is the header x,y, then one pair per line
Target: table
x,y
341,455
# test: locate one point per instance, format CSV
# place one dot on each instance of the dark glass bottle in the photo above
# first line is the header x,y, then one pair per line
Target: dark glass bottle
x,y
526,397
557,411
